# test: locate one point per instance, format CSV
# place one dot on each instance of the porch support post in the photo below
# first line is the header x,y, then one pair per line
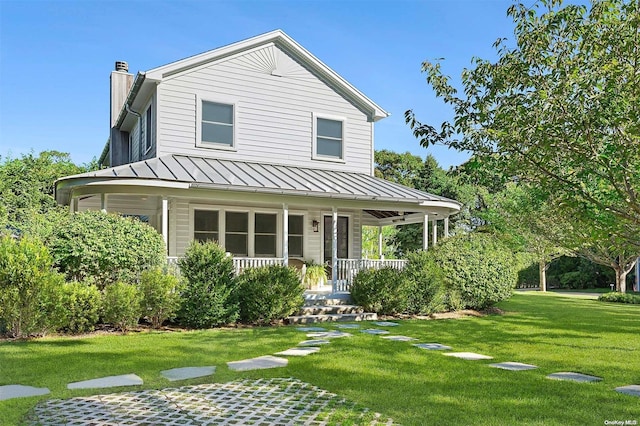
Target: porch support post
x,y
425,233
73,204
334,249
103,202
380,242
165,223
446,227
285,234
435,232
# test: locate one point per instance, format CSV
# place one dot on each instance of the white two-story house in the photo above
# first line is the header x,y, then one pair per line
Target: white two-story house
x,y
257,145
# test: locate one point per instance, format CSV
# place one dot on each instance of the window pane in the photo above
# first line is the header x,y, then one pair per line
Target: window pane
x,y
205,236
219,113
217,133
296,225
295,246
237,222
205,220
329,128
330,147
236,244
343,237
265,245
266,223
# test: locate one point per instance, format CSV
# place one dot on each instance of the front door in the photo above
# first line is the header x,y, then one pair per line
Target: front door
x,y
343,238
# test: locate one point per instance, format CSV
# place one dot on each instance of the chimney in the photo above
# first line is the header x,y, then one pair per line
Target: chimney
x,y
121,82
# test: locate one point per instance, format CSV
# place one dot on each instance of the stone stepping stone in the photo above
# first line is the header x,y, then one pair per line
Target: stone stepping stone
x,y
311,329
259,363
399,338
330,334
433,346
469,356
303,351
574,377
20,391
348,326
314,342
633,390
385,324
107,382
374,331
187,373
513,366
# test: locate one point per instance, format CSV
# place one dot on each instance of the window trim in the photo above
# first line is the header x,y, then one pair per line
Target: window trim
x,y
212,145
148,129
193,222
303,217
249,233
256,233
314,148
350,232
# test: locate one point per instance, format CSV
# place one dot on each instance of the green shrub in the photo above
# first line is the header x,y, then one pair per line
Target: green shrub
x,y
160,296
82,302
121,305
629,298
426,294
477,268
106,248
384,291
206,298
30,290
268,293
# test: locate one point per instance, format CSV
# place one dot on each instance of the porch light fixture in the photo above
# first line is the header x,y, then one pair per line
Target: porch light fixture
x,y
314,225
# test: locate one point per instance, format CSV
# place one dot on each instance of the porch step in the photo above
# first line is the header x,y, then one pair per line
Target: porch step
x,y
330,309
318,298
310,319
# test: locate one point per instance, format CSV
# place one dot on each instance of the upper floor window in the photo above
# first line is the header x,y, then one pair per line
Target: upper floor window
x,y
329,139
216,124
147,128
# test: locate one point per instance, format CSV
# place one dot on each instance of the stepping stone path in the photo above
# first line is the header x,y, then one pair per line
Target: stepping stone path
x,y
633,390
311,329
259,363
374,331
276,402
20,391
385,324
107,382
330,334
433,346
314,342
187,373
399,338
469,356
351,326
304,351
574,377
513,366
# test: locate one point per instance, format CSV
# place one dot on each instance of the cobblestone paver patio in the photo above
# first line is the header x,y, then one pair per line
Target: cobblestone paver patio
x,y
275,402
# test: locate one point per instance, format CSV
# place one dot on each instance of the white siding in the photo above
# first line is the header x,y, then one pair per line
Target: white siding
x,y
274,113
135,142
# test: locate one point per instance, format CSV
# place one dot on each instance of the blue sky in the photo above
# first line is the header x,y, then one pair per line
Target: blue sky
x,y
56,56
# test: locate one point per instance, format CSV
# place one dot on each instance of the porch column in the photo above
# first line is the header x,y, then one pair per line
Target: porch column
x,y
380,242
73,205
435,232
425,233
446,227
103,203
285,234
334,249
165,223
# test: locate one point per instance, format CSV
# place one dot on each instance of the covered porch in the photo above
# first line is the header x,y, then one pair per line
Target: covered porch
x,y
261,214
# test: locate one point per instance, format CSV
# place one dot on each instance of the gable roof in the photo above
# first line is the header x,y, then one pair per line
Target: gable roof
x,y
241,176
151,77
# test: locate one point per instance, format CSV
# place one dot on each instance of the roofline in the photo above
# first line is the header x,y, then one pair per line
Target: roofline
x,y
133,92
278,37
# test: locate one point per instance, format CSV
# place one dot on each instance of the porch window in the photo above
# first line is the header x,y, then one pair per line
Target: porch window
x,y
217,124
296,236
343,237
237,233
265,234
205,225
329,138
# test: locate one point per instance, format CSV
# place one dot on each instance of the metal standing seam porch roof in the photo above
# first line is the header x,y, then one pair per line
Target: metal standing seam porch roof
x,y
211,173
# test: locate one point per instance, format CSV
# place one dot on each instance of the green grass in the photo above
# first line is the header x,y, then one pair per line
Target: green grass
x,y
411,385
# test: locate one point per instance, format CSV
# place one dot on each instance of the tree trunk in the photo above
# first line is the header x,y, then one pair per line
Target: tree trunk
x,y
542,268
621,279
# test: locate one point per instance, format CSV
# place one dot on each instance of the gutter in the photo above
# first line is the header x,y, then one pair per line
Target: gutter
x,y
137,84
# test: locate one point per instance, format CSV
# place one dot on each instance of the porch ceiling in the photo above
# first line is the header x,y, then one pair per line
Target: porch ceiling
x,y
191,172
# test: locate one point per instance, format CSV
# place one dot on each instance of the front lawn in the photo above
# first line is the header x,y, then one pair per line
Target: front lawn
x,y
411,385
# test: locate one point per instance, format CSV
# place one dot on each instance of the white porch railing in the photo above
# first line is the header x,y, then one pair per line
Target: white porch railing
x,y
349,268
241,263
